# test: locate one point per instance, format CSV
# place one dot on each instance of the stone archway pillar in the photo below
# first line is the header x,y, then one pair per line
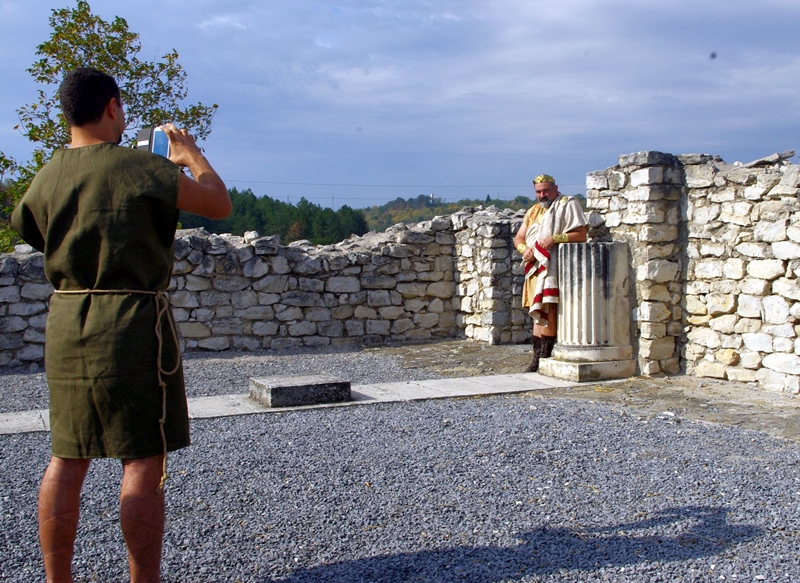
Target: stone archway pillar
x,y
594,331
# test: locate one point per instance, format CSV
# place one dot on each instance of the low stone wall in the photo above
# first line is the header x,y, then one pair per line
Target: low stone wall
x,y
715,254
450,277
715,257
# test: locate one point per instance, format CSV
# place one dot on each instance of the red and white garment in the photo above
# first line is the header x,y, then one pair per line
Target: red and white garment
x,y
565,214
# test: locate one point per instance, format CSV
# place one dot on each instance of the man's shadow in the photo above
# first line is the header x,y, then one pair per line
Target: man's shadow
x,y
703,531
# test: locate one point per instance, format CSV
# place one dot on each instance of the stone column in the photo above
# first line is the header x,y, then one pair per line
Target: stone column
x,y
594,336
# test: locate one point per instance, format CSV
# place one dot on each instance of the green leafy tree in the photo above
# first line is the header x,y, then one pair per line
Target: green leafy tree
x,y
153,93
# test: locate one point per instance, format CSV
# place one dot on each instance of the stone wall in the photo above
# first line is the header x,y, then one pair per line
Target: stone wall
x,y
715,254
451,277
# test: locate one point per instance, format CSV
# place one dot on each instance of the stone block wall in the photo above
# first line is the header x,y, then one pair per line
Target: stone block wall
x,y
715,257
715,254
451,277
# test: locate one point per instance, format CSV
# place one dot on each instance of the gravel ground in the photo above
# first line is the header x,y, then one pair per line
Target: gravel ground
x,y
484,490
228,373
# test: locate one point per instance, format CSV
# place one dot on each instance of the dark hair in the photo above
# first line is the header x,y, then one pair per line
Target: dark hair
x,y
84,94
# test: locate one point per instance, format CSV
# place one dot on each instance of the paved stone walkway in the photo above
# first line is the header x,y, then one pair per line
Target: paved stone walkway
x,y
242,404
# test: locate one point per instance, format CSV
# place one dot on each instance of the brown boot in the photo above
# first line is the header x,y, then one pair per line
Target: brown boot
x,y
536,344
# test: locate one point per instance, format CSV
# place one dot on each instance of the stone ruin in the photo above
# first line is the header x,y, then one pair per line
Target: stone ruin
x,y
714,256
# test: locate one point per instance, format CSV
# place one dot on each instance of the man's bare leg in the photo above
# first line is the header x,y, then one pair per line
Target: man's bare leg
x,y
141,515
59,510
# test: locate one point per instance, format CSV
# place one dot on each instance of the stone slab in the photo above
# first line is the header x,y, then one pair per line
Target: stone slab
x,y
580,372
24,422
296,391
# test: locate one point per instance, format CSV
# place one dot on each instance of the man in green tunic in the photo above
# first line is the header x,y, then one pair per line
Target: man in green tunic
x,y
105,218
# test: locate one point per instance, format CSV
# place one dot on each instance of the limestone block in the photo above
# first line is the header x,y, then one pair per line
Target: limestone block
x,y
768,269
770,231
783,345
724,195
652,330
698,288
741,375
658,349
653,312
708,369
788,288
36,291
713,248
10,294
720,303
655,293
755,287
184,299
786,250
442,289
793,233
737,213
272,284
703,215
709,269
782,330
782,190
776,310
698,320
194,330
642,212
732,341
649,367
725,286
724,324
749,306
754,192
727,356
645,176
699,176
695,305
378,327
658,233
771,380
750,360
754,250
734,268
758,341
706,337
659,271
783,363
265,328
596,181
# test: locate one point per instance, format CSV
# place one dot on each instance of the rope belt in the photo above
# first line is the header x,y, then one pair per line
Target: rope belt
x,y
162,309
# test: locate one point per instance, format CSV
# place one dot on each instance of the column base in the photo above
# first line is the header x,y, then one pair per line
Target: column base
x,y
580,372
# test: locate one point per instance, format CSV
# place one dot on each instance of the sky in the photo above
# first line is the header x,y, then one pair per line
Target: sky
x,y
359,102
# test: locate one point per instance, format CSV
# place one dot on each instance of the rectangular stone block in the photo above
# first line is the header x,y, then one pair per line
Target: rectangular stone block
x,y
582,372
295,391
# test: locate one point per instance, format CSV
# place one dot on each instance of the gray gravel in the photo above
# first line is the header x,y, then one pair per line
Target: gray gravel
x,y
483,490
228,373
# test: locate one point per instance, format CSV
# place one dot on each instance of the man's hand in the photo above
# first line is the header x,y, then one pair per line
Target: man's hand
x,y
183,150
547,242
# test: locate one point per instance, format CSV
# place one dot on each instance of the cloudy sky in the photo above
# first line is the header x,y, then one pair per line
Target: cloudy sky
x,y
359,102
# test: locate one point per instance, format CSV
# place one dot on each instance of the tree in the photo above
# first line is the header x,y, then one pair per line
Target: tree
x,y
153,93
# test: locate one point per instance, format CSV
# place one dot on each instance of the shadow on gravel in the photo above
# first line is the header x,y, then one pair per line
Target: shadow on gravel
x,y
669,536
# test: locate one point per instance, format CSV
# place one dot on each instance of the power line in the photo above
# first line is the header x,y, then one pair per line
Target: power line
x,y
392,185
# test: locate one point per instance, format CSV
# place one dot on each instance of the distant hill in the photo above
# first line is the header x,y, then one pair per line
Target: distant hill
x,y
324,226
423,208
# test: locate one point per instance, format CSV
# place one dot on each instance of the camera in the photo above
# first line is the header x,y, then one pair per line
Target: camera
x,y
153,140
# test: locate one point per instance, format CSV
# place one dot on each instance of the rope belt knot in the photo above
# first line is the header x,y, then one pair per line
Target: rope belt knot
x,y
162,310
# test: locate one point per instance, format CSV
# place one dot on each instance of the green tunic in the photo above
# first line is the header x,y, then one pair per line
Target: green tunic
x,y
105,218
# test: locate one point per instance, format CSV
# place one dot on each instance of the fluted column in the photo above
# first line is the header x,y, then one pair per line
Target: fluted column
x,y
593,314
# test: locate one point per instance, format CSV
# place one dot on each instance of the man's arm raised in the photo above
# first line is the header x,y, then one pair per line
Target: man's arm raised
x,y
205,195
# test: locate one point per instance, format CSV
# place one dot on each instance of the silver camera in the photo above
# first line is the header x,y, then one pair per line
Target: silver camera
x,y
153,140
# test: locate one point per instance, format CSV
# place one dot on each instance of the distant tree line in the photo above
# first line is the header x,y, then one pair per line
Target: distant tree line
x,y
268,216
324,226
